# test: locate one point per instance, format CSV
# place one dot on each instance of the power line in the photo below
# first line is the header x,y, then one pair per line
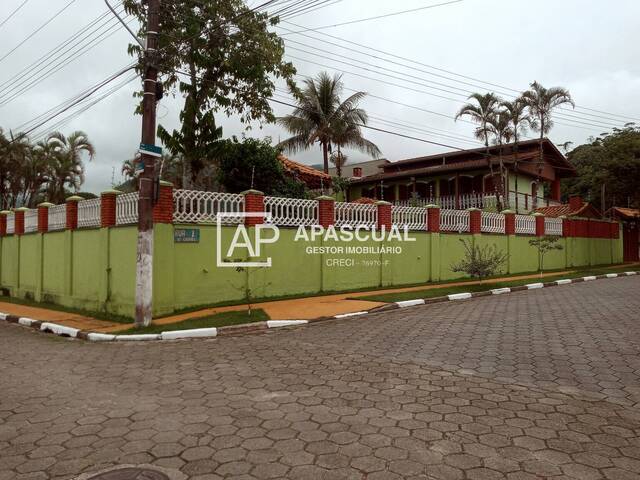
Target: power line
x,y
13,13
351,22
58,13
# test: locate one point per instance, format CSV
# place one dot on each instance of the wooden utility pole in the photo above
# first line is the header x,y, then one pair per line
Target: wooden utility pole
x,y
144,264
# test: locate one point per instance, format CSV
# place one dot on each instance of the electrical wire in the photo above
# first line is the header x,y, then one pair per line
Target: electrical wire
x,y
13,13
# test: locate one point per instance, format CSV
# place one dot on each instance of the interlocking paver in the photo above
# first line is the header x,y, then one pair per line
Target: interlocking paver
x,y
530,385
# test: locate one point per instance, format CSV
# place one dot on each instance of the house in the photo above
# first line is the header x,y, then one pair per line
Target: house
x,y
314,179
630,218
360,169
464,178
575,208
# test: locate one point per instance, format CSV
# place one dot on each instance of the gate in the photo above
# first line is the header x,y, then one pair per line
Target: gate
x,y
630,241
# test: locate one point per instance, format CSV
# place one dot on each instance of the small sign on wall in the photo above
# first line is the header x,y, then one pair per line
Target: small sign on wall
x,y
186,235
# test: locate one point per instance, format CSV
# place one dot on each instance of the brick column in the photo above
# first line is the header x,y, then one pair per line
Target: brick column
x,y
108,208
253,202
3,222
509,222
43,216
475,220
72,212
539,224
19,219
326,211
384,215
163,210
433,218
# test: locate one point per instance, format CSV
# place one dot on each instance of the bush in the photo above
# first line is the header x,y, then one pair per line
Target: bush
x,y
479,262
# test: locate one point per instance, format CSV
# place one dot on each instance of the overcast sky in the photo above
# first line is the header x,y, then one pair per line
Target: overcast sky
x,y
587,46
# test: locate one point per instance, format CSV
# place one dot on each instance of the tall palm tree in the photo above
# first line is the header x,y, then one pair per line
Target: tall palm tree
x,y
500,127
321,117
541,102
519,119
68,167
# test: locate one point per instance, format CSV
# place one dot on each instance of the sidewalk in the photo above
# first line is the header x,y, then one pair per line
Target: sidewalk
x,y
293,309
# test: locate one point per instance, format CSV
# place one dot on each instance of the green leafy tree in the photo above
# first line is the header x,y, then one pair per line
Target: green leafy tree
x,y
480,262
321,117
500,127
544,245
519,120
231,61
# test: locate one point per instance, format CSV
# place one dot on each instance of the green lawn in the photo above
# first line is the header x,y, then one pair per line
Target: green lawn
x,y
487,285
222,319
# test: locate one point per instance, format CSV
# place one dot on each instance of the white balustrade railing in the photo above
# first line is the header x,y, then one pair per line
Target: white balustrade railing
x,y
416,202
553,226
291,211
127,208
31,221
454,220
413,218
492,222
526,224
192,206
355,214
11,223
57,217
89,213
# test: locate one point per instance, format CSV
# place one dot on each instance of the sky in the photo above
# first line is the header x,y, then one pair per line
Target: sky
x,y
587,46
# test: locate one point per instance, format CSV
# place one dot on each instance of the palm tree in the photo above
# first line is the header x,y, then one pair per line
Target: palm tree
x,y
323,118
541,102
68,167
500,127
519,119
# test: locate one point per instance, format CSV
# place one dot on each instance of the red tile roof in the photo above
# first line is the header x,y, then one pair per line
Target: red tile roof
x,y
586,210
627,213
309,175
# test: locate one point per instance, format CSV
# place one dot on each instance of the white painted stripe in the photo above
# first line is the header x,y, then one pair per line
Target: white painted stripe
x,y
589,278
27,322
410,303
612,275
138,338
533,286
630,273
284,323
459,296
193,333
59,329
500,291
563,282
3,316
101,337
345,315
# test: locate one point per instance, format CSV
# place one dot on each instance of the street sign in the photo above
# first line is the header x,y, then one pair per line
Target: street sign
x,y
152,150
186,235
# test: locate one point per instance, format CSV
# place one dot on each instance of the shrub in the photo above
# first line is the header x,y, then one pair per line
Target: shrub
x,y
479,262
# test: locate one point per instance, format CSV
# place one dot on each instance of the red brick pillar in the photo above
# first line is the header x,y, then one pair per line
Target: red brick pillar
x,y
475,220
509,222
108,208
539,224
43,217
19,219
326,211
567,227
72,212
433,218
253,203
384,215
163,210
3,222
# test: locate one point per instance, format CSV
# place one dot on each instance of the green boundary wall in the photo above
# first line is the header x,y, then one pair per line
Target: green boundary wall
x,y
94,269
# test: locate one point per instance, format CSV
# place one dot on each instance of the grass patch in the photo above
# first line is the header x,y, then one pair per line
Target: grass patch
x,y
486,285
221,319
110,317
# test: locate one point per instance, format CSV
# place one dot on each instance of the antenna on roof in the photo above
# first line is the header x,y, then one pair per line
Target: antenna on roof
x,y
253,172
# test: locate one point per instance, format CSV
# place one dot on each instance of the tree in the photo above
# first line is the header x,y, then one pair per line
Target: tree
x,y
499,126
230,61
321,117
519,119
339,159
544,245
542,102
480,262
252,163
67,167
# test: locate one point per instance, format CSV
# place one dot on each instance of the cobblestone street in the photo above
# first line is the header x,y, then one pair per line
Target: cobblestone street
x,y
537,384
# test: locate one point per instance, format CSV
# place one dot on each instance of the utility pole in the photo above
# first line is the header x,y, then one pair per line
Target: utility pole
x,y
144,264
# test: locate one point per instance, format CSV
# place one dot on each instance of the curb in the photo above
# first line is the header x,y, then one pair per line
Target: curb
x,y
64,331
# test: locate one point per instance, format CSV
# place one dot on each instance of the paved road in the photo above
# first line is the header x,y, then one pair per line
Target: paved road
x,y
539,384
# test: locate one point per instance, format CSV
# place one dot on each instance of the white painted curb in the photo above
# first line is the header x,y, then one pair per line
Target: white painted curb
x,y
533,286
345,315
630,273
589,278
285,323
500,291
27,322
3,316
193,333
566,281
612,275
138,338
459,296
101,337
59,329
410,303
